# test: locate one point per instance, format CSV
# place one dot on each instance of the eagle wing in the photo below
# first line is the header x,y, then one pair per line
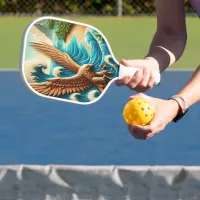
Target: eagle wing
x,y
58,56
61,86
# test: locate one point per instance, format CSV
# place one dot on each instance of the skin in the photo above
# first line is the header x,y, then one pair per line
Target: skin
x,y
167,47
166,110
168,44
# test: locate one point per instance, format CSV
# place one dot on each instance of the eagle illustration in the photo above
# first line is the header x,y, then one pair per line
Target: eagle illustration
x,y
84,79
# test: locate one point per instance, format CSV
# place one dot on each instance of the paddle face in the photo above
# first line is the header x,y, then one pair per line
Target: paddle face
x,y
67,61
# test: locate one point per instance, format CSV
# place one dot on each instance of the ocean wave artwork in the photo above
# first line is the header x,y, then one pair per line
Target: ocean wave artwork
x,y
68,61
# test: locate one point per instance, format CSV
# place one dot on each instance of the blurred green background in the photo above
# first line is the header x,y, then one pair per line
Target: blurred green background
x,y
129,38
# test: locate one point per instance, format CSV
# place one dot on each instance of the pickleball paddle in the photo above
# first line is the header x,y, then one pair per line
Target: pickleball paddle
x,y
69,61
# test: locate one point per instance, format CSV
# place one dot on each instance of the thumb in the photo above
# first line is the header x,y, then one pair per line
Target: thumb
x,y
134,63
155,123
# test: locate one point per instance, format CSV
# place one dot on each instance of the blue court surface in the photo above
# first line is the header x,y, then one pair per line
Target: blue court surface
x,y
35,130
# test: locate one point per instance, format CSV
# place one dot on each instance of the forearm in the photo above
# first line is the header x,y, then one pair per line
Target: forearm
x,y
167,48
191,91
170,38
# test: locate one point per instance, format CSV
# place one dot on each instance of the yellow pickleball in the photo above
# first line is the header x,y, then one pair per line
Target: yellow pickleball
x,y
138,111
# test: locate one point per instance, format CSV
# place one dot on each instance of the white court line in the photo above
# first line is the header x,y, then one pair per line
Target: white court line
x,y
181,69
174,70
8,70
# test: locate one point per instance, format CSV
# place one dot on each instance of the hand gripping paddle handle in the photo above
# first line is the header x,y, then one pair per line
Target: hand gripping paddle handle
x,y
130,71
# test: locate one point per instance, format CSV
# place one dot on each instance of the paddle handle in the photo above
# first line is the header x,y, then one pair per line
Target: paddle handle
x,y
130,71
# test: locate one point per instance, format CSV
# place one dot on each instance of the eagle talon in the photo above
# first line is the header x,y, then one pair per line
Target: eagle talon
x,y
103,67
106,72
106,77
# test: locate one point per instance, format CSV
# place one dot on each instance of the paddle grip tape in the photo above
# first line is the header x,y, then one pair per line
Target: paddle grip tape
x,y
130,71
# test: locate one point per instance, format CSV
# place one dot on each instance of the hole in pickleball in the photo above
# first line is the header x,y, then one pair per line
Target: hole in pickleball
x,y
142,109
148,108
146,115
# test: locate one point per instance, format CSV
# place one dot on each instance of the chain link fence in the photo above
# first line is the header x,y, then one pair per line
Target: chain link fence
x,y
80,7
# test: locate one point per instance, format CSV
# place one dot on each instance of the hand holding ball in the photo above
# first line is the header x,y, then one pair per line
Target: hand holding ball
x,y
138,111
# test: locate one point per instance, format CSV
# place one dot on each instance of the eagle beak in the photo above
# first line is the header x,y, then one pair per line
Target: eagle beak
x,y
90,65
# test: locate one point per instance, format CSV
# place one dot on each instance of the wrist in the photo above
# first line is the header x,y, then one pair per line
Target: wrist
x,y
175,107
163,56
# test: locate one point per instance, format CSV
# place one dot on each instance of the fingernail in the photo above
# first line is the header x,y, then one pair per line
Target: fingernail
x,y
149,136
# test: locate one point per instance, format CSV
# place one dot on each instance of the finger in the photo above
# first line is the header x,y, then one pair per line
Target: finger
x,y
141,89
139,136
155,126
129,128
150,135
123,81
151,81
135,80
135,134
156,131
146,77
140,132
143,129
156,121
